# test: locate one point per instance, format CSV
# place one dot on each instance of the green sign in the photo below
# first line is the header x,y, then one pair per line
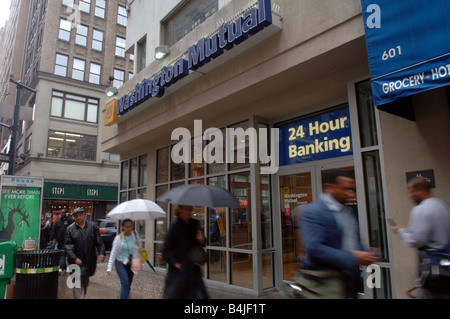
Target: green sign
x,y
54,189
20,211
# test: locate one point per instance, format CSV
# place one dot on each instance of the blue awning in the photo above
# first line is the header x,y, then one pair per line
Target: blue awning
x,y
408,44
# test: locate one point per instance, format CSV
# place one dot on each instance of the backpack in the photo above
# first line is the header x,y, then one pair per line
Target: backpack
x,y
434,269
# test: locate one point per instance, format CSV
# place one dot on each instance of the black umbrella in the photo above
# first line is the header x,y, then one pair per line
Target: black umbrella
x,y
200,195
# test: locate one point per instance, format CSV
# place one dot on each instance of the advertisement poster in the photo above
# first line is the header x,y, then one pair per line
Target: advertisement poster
x,y
20,211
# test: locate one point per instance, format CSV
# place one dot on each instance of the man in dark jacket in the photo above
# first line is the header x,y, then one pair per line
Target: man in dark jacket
x,y
82,238
59,234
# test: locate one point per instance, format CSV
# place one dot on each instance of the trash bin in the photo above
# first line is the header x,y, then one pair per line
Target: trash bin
x,y
7,267
37,274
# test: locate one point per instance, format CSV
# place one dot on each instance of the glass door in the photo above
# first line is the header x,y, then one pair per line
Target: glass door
x,y
295,191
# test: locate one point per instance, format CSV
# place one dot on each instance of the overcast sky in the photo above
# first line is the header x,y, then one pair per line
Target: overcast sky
x,y
4,11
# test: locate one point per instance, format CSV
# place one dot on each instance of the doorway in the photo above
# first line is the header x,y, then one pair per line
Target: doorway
x,y
298,187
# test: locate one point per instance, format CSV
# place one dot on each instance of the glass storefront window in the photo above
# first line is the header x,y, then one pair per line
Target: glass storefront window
x,y
177,171
241,145
266,213
134,172
217,269
162,171
217,218
228,231
125,173
375,203
242,270
161,223
366,114
218,166
143,171
197,167
159,260
241,218
268,270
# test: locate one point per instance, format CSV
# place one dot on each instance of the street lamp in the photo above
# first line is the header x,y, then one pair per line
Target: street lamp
x,y
161,52
112,90
15,125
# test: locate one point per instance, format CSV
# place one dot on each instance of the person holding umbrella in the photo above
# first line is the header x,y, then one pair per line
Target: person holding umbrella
x,y
125,255
183,251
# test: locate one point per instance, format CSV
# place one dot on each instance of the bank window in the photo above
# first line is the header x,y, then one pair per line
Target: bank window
x,y
97,40
82,35
122,16
71,146
187,19
78,69
100,6
74,107
95,73
85,6
120,47
64,30
61,64
366,115
229,232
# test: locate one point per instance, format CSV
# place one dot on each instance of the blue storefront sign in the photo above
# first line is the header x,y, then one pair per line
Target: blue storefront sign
x,y
206,50
319,137
408,44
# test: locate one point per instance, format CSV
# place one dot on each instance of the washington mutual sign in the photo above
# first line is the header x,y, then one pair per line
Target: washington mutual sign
x,y
207,49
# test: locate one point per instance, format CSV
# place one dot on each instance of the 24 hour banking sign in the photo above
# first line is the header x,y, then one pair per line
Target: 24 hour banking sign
x,y
408,44
319,137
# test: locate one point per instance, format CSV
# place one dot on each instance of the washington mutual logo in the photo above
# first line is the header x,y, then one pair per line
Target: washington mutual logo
x,y
199,54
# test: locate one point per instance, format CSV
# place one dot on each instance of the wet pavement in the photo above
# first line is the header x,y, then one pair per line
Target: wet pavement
x,y
150,285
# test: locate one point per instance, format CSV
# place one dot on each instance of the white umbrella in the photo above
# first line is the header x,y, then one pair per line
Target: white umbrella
x,y
137,209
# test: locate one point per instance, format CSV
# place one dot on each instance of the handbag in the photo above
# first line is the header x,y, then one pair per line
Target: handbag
x,y
434,269
319,284
198,255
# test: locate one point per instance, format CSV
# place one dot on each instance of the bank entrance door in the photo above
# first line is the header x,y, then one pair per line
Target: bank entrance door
x,y
298,187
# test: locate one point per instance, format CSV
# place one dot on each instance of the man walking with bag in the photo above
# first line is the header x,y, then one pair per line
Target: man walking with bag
x,y
429,226
330,232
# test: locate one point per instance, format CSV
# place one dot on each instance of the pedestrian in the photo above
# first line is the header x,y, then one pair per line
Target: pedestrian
x,y
57,216
184,253
429,225
330,235
45,233
82,240
59,234
125,255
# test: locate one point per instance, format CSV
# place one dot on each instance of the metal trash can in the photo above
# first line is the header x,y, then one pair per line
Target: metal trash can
x,y
37,274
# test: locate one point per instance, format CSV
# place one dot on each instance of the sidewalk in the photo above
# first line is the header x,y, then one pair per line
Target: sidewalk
x,y
150,285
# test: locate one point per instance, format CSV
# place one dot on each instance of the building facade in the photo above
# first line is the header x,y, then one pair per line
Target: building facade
x,y
74,50
231,78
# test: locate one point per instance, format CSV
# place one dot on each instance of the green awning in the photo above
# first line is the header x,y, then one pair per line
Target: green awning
x,y
62,189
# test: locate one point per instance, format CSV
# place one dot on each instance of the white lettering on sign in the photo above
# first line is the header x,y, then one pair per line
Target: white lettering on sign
x,y
58,190
92,192
2,264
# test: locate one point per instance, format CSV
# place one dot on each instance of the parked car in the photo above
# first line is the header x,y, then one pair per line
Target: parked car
x,y
108,231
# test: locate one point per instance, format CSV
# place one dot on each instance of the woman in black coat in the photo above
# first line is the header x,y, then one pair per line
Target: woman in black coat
x,y
183,252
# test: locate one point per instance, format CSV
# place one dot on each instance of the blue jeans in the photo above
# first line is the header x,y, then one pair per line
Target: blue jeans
x,y
126,277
